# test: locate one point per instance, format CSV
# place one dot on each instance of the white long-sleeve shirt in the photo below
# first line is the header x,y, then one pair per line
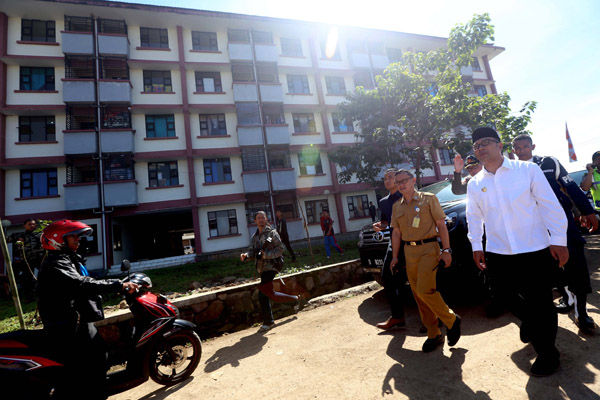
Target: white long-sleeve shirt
x,y
517,207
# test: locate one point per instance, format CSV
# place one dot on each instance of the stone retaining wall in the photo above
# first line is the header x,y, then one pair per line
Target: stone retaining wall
x,y
235,308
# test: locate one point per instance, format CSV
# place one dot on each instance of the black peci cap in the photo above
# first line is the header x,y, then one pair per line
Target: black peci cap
x,y
484,132
596,154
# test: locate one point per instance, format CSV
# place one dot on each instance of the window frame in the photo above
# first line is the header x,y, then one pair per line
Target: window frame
x,y
165,76
163,38
207,130
335,118
253,159
173,172
312,125
330,80
213,44
50,31
295,81
311,216
476,65
481,90
352,208
27,84
291,47
305,161
51,183
49,127
214,75
213,223
446,156
224,169
169,120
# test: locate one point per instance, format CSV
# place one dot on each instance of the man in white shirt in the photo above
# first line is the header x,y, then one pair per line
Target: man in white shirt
x,y
526,231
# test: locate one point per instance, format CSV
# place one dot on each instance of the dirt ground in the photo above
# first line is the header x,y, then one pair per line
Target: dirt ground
x,y
335,352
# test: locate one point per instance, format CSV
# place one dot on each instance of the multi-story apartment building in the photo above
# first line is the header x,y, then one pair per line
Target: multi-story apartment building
x,y
150,123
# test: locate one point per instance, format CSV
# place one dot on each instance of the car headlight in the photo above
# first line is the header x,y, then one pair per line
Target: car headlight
x,y
451,219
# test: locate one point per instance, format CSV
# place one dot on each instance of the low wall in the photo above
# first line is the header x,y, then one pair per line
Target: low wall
x,y
235,308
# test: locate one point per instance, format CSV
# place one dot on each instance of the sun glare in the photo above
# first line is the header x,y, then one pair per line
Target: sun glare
x,y
332,41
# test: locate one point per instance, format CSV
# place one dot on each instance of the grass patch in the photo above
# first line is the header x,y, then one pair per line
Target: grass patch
x,y
178,279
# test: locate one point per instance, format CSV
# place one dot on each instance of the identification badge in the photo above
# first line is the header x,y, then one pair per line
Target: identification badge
x,y
416,222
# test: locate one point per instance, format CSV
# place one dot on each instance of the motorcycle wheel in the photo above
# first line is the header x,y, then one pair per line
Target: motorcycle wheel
x,y
175,358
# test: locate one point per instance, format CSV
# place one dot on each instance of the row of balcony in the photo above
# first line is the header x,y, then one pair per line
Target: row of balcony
x,y
84,142
84,91
82,43
259,181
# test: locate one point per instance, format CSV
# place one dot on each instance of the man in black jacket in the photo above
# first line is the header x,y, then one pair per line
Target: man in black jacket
x,y
69,303
576,274
472,166
281,227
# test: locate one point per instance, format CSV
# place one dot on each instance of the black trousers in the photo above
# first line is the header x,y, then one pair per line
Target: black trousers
x,y
267,293
523,282
575,274
393,285
286,241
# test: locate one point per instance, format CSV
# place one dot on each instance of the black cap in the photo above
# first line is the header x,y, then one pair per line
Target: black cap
x,y
471,161
484,132
596,154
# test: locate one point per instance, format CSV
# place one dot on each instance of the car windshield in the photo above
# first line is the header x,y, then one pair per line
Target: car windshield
x,y
443,191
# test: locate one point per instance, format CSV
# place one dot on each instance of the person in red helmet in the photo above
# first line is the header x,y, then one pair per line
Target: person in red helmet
x,y
69,302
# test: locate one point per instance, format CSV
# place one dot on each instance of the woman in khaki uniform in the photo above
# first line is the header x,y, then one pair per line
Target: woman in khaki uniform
x,y
418,220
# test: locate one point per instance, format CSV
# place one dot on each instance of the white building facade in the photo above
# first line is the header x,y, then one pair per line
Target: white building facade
x,y
151,122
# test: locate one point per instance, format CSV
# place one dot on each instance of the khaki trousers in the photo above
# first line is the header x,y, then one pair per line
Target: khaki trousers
x,y
421,262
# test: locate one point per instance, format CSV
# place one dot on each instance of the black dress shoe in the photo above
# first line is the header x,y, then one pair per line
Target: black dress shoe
x,y
454,332
545,366
586,323
563,307
431,344
524,333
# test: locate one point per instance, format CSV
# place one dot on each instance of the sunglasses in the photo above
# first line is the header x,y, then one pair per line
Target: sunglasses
x,y
483,143
403,181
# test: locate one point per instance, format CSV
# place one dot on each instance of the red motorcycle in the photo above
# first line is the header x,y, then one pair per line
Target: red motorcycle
x,y
162,347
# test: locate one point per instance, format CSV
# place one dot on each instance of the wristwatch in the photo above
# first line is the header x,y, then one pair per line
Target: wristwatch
x,y
448,250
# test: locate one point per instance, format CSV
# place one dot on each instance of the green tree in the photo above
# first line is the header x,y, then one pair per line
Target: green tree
x,y
423,104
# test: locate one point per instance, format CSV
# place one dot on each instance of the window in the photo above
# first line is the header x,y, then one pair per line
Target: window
x,y
475,64
116,117
113,26
364,79
480,89
446,157
304,123
375,48
358,206
33,30
37,78
204,41
394,55
39,183
89,244
217,170
208,82
78,24
287,203
342,123
291,47
335,85
310,163
80,118
238,35
212,125
158,126
37,129
119,167
433,89
114,68
279,159
79,67
334,53
252,207
154,38
81,170
222,223
260,37
157,82
161,174
267,73
314,208
242,72
253,159
273,114
247,113
298,84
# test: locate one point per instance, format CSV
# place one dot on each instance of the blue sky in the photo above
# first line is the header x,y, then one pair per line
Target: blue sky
x,y
552,51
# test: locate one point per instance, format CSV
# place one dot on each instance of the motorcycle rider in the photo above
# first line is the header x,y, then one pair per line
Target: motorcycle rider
x,y
69,303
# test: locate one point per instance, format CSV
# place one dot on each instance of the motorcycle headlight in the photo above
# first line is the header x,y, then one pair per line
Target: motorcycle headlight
x,y
451,219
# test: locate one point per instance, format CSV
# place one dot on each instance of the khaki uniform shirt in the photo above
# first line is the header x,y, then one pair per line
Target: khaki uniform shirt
x,y
426,207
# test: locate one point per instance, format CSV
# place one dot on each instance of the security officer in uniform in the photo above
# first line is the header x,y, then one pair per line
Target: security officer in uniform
x,y
591,180
418,220
393,283
576,274
27,256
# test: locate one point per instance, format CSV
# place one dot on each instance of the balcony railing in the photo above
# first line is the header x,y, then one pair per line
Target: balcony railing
x,y
80,118
116,118
79,67
112,26
78,24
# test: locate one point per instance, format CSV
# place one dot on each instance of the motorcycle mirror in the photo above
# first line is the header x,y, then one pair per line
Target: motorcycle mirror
x,y
125,265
